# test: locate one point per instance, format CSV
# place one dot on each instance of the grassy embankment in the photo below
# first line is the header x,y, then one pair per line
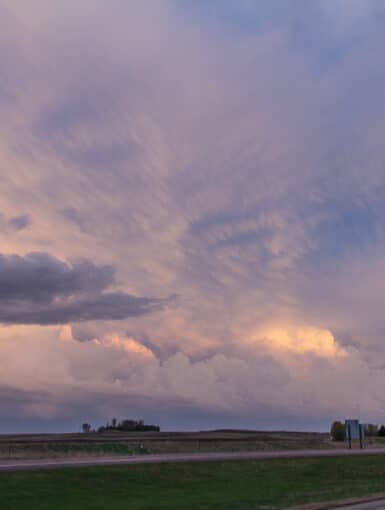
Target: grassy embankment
x,y
243,485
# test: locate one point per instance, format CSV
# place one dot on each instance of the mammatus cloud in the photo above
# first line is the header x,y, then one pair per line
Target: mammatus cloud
x,y
113,373
40,289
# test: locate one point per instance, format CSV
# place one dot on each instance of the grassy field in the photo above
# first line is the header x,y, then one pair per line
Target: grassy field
x,y
118,443
242,485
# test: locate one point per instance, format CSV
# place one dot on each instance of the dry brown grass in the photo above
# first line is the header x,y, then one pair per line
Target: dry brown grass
x,y
121,443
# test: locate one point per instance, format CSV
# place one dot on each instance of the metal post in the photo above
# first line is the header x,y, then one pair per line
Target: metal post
x,y
361,437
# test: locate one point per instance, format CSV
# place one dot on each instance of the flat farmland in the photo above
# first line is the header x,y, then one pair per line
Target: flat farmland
x,y
134,443
39,446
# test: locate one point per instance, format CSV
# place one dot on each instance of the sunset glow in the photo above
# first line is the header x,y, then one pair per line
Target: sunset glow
x,y
192,198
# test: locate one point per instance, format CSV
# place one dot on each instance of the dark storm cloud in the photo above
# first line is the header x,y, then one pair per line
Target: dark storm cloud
x,y
20,222
41,278
40,289
113,306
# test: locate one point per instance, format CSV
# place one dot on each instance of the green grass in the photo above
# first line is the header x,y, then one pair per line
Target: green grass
x,y
242,485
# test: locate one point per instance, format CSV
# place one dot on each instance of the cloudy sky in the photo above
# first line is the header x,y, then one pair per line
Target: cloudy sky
x,y
192,203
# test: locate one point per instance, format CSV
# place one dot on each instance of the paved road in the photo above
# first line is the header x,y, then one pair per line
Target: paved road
x,y
373,505
26,465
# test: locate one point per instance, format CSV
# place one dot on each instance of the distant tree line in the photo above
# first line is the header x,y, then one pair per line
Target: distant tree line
x,y
337,430
124,425
372,430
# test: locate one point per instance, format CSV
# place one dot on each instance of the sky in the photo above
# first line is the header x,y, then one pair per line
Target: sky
x,y
192,198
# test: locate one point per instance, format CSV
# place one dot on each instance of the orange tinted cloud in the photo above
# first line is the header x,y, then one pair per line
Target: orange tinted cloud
x,y
299,340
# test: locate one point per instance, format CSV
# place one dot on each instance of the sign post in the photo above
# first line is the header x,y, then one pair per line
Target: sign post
x,y
361,437
349,435
354,431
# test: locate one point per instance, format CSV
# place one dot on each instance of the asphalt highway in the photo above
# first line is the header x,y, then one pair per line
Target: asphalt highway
x,y
29,465
372,505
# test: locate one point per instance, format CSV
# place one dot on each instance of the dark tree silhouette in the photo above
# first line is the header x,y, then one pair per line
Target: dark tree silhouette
x,y
86,427
337,431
